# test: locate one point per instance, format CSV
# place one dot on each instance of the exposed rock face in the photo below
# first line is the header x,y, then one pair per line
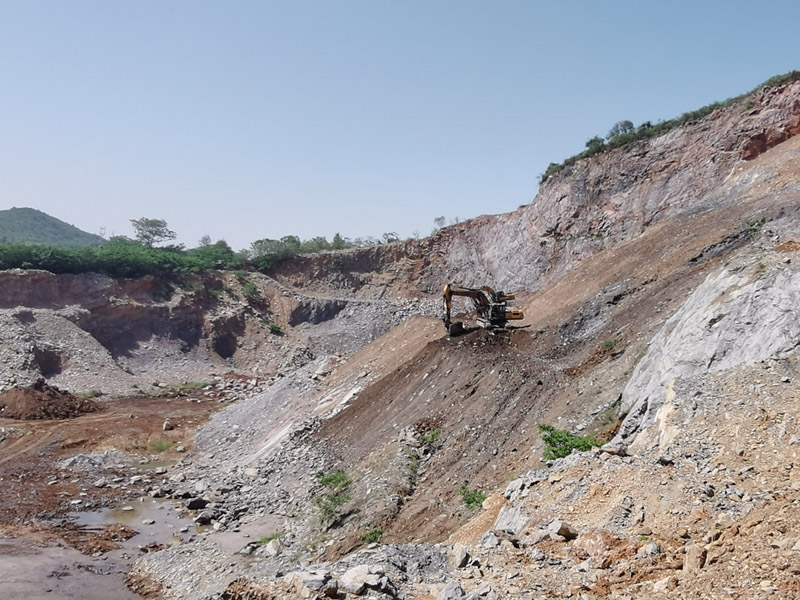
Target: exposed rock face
x,y
738,316
669,330
592,205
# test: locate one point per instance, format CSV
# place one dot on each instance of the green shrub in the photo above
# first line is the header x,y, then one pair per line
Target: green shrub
x,y
560,443
275,328
413,466
337,494
161,445
430,438
250,291
372,536
472,498
609,345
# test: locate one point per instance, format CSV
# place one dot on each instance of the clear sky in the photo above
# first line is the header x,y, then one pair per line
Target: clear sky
x,y
258,119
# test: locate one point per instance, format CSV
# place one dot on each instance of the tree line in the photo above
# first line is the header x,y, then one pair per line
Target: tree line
x,y
149,254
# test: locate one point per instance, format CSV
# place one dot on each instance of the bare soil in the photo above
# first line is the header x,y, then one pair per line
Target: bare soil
x,y
38,495
42,401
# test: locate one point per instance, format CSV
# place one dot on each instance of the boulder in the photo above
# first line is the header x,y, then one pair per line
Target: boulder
x,y
196,503
452,591
562,529
490,540
359,578
511,520
273,547
459,557
695,558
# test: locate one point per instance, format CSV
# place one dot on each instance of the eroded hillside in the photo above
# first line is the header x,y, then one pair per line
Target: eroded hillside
x,y
660,286
588,208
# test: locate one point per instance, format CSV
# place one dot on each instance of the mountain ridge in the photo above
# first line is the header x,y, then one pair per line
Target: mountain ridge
x,y
32,226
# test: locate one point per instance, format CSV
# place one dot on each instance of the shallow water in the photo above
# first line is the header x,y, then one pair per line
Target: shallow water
x,y
58,572
168,526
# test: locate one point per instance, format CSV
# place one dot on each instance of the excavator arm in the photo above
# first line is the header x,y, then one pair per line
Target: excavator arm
x,y
478,298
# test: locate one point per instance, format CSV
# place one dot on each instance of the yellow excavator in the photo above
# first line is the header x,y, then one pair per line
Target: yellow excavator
x,y
493,313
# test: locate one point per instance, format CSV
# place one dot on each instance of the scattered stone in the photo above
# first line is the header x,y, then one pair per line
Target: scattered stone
x,y
452,591
459,556
534,538
649,549
273,547
562,529
695,558
312,579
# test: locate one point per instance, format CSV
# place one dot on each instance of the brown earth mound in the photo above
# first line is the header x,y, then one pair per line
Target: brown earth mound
x,y
42,401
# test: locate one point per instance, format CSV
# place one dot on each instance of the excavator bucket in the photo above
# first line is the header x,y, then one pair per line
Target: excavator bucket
x,y
456,328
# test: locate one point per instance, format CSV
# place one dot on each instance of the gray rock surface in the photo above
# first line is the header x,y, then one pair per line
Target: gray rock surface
x,y
760,308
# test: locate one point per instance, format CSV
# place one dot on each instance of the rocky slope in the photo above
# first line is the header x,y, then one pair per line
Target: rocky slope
x,y
661,285
592,206
92,333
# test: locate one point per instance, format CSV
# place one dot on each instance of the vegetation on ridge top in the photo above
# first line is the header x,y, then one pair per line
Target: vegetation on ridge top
x,y
624,132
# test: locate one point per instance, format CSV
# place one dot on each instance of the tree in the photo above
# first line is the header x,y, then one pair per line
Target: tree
x,y
439,222
291,242
594,145
619,128
205,240
315,244
340,243
390,236
152,231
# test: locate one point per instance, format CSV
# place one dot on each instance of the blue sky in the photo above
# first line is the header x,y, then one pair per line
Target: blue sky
x,y
248,120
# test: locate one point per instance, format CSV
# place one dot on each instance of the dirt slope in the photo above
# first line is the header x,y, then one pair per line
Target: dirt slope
x,y
633,268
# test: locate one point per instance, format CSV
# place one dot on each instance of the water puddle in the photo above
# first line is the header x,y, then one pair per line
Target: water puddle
x,y
159,523
38,572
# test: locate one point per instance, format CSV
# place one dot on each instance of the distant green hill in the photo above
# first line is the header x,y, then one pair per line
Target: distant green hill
x,y
31,226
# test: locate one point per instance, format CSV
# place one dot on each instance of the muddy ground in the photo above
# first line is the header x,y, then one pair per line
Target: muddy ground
x,y
55,472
